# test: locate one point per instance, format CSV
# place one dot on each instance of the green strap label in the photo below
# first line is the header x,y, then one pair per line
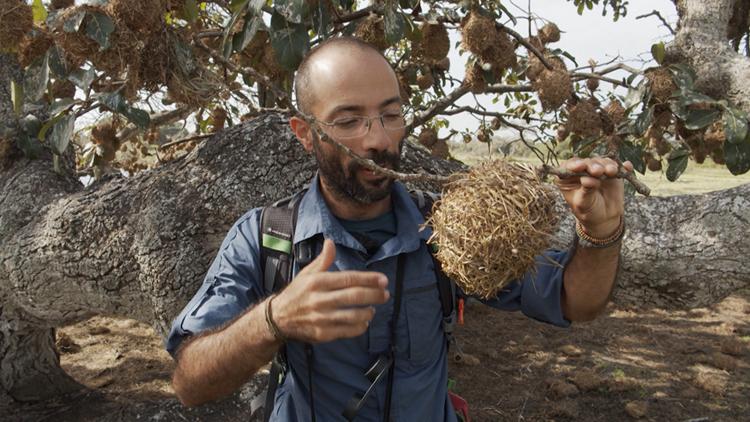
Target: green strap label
x,y
277,243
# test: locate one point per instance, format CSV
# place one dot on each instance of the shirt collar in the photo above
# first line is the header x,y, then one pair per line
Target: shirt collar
x,y
314,217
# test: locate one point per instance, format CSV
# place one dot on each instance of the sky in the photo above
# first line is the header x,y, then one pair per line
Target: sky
x,y
587,36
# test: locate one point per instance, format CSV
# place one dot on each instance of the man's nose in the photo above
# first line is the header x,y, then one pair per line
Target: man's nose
x,y
377,138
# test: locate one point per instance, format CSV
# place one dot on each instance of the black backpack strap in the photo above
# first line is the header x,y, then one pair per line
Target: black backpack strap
x,y
446,287
276,240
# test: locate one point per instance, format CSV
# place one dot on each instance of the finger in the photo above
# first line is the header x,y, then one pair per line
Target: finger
x,y
575,165
610,167
323,261
595,167
353,296
348,279
628,166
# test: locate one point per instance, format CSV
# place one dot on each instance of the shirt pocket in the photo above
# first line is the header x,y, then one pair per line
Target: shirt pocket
x,y
424,320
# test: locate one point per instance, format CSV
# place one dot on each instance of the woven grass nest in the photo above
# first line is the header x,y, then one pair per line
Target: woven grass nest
x,y
491,223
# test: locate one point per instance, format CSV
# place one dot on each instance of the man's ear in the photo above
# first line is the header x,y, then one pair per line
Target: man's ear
x,y
303,131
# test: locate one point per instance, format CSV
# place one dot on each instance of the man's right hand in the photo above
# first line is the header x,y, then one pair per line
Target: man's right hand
x,y
320,306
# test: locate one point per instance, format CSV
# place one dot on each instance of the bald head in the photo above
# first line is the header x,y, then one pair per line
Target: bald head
x,y
332,66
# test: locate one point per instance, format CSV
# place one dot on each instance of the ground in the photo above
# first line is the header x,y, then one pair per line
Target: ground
x,y
669,366
630,364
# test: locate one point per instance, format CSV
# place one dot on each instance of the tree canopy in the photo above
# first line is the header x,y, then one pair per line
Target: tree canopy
x,y
141,65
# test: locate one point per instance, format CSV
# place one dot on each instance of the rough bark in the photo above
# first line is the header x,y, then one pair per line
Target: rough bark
x,y
702,41
138,247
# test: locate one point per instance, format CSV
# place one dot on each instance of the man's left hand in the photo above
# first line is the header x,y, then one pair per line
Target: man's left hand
x,y
598,204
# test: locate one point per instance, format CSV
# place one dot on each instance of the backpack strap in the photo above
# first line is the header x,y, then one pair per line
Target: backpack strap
x,y
277,256
446,287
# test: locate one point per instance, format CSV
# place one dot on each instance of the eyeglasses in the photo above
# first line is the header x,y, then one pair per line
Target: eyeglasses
x,y
356,126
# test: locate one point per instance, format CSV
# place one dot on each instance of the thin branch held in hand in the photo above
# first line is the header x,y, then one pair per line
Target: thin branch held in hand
x,y
438,107
639,186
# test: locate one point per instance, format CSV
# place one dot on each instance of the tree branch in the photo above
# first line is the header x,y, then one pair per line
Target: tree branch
x,y
661,18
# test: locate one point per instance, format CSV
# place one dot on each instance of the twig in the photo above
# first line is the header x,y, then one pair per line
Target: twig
x,y
438,107
369,164
188,139
527,44
639,186
581,76
661,18
502,89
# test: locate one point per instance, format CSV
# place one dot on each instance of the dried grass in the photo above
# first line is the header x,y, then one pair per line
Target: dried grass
x,y
491,224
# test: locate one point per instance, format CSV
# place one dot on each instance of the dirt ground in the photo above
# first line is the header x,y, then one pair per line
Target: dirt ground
x,y
650,365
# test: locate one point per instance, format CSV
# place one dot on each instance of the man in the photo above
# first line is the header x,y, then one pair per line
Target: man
x,y
342,302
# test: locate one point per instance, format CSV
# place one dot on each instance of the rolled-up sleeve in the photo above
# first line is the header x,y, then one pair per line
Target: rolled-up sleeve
x,y
538,294
229,288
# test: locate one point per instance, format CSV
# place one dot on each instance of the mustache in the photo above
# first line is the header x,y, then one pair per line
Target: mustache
x,y
384,159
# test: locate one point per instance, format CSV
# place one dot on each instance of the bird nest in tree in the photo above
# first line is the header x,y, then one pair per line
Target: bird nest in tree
x,y
491,224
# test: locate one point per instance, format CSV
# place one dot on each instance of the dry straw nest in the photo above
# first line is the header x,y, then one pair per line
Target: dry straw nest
x,y
554,87
549,33
435,44
616,112
474,78
483,39
16,19
662,83
584,120
372,31
491,224
536,67
141,16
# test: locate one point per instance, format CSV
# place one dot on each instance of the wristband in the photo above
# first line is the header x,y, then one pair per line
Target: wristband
x,y
278,335
588,241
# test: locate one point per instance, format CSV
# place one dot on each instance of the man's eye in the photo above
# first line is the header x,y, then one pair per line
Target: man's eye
x,y
348,123
392,117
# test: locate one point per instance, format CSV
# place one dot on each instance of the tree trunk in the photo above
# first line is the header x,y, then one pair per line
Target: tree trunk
x,y
139,247
702,41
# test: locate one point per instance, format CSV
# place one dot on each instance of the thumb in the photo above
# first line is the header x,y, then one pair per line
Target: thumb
x,y
323,261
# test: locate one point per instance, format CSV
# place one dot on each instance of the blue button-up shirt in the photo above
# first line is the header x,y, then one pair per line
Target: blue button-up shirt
x,y
234,283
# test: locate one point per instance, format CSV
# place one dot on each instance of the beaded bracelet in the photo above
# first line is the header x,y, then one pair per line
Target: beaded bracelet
x,y
588,241
271,324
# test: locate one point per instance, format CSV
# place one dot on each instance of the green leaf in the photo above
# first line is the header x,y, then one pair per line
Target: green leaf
x,y
73,22
634,154
191,10
290,41
39,11
237,5
737,156
59,105
183,56
677,163
99,28
57,63
321,19
35,79
735,125
643,121
243,38
62,131
394,25
82,78
16,96
293,10
658,51
115,103
31,125
683,76
42,134
698,119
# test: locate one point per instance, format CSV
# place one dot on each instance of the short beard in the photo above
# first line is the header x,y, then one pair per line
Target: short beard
x,y
343,181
